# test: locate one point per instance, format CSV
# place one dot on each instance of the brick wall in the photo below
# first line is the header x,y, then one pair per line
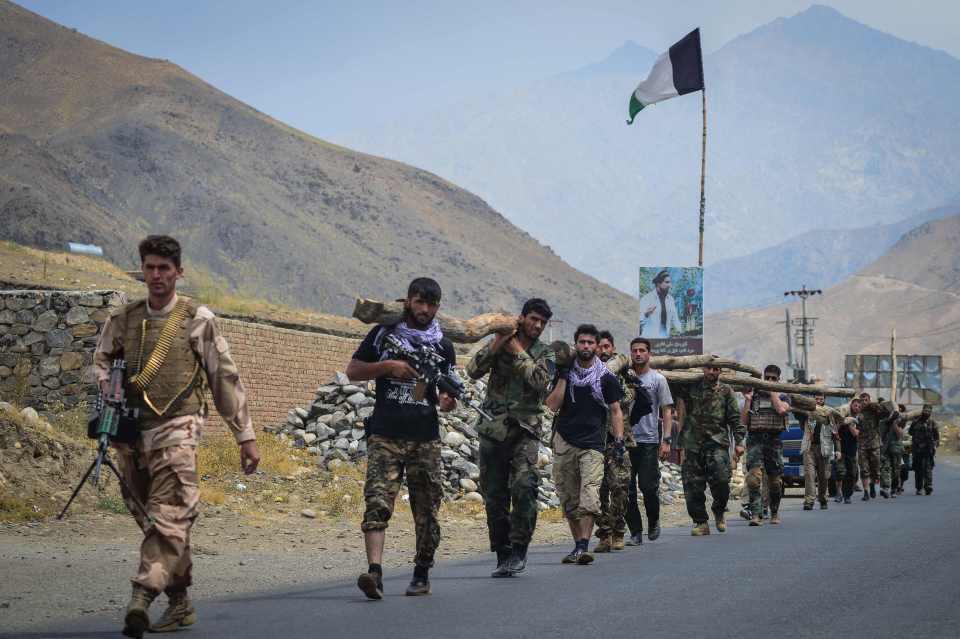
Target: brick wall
x,y
281,368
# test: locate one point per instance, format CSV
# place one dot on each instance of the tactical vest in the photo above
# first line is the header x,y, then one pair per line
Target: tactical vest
x,y
163,377
763,416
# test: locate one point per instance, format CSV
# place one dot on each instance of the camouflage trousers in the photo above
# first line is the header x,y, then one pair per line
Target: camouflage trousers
x,y
847,473
614,490
869,460
890,470
388,460
710,465
509,482
923,470
764,455
164,480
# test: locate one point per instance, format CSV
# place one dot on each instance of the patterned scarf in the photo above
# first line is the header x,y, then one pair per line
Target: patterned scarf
x,y
591,377
412,337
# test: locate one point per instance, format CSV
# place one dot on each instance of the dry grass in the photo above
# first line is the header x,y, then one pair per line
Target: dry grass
x,y
15,510
552,516
341,494
212,495
70,421
218,456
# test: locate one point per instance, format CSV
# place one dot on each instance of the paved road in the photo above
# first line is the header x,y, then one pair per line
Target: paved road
x,y
880,569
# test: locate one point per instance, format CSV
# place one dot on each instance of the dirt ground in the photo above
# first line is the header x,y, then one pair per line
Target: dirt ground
x,y
252,534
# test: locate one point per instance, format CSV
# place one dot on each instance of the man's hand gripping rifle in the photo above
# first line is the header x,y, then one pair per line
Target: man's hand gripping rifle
x,y
105,427
428,364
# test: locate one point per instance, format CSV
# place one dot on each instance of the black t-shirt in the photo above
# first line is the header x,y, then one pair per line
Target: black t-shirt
x,y
396,414
848,443
582,423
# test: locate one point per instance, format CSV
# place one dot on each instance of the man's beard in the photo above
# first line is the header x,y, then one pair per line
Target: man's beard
x,y
605,357
585,356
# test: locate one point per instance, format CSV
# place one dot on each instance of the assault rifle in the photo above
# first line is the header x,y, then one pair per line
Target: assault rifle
x,y
112,421
428,363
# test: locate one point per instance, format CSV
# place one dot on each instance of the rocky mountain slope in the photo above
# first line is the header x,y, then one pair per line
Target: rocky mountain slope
x,y
814,122
99,145
818,258
914,287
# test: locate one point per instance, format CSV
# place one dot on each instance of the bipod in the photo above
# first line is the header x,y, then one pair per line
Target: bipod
x,y
102,458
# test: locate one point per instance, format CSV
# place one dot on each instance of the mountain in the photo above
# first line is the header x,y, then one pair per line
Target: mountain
x,y
814,122
914,287
819,259
99,145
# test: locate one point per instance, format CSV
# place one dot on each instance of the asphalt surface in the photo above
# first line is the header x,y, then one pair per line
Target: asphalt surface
x,y
886,568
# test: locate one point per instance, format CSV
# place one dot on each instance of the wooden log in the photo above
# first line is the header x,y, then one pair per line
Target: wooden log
x,y
740,382
456,330
670,362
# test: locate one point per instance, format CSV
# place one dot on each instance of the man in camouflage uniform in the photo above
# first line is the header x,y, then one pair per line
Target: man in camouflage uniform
x,y
891,454
170,345
403,435
872,414
817,449
521,369
711,416
765,416
615,487
925,438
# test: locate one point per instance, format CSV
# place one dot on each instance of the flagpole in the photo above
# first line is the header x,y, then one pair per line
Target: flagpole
x,y
703,170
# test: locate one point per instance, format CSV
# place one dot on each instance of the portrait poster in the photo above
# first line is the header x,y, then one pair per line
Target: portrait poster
x,y
671,309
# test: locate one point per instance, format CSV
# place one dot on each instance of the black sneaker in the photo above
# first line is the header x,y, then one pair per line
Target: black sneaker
x,y
846,500
745,514
838,499
808,506
884,494
418,587
873,490
502,570
929,490
823,505
517,562
371,583
636,539
654,531
866,496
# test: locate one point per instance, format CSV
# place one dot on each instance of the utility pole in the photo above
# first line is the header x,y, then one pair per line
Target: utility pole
x,y
786,325
893,365
805,333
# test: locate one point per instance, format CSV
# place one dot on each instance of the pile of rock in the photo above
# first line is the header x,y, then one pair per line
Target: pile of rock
x,y
332,429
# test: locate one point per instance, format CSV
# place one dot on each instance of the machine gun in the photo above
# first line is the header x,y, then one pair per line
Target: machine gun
x,y
428,362
111,422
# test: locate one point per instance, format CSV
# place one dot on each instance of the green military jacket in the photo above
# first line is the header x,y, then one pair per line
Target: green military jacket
x,y
871,417
924,436
712,414
517,387
619,365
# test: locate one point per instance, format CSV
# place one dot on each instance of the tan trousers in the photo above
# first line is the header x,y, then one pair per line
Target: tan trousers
x,y
165,482
577,474
816,472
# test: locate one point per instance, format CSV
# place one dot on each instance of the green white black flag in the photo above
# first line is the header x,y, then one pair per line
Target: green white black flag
x,y
677,72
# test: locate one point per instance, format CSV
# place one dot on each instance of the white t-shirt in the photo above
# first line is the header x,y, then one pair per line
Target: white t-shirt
x,y
647,430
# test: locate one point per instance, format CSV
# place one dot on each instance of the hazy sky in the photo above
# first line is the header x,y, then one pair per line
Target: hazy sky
x,y
330,67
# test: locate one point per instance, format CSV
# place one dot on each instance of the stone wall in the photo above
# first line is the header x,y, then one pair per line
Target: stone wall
x,y
46,344
47,340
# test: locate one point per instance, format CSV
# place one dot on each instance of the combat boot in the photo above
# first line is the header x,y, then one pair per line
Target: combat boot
x,y
517,562
721,524
756,521
137,619
420,584
616,542
179,613
774,517
700,530
603,545
503,561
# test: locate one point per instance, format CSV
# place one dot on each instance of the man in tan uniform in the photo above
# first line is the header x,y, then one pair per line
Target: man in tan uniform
x,y
170,345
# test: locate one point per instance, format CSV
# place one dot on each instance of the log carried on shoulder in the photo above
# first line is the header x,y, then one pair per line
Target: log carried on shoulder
x,y
456,330
740,382
671,362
